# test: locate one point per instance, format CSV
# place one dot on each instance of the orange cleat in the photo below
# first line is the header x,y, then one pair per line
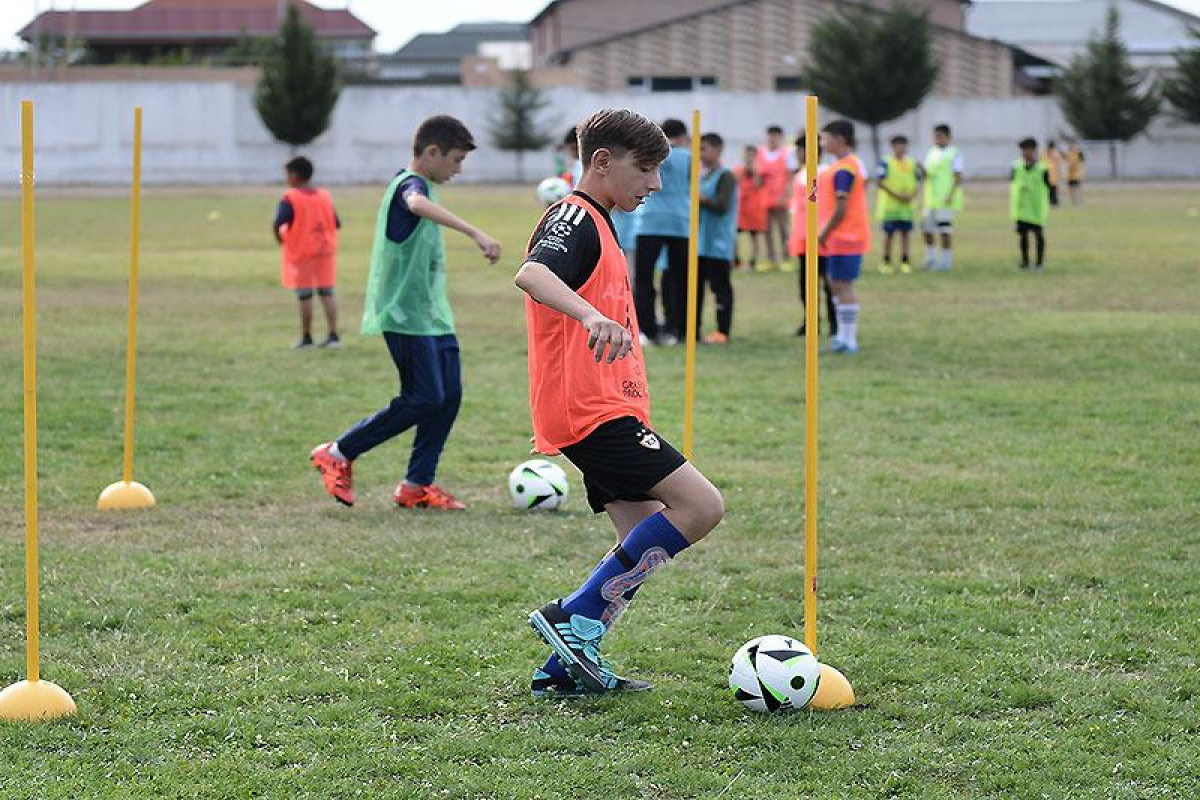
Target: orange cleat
x,y
430,496
716,337
336,473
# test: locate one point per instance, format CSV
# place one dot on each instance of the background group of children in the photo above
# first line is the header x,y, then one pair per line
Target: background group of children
x,y
760,198
764,197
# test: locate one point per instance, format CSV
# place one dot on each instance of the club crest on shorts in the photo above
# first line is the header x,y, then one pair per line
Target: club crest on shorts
x,y
648,440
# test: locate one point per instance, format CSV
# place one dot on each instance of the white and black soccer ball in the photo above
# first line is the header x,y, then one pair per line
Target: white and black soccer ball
x,y
774,674
538,485
551,190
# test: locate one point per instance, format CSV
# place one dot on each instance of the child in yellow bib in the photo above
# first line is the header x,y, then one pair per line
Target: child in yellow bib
x,y
1029,200
894,203
943,174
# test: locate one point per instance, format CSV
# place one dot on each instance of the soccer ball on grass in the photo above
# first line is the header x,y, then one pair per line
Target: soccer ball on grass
x,y
774,674
538,485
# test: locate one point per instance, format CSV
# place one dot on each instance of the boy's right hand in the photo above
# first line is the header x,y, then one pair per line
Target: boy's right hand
x,y
602,333
489,246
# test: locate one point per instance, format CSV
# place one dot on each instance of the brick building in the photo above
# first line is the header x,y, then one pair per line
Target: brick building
x,y
740,45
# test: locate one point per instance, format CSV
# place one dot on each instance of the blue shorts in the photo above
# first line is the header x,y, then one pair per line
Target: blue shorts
x,y
893,225
844,268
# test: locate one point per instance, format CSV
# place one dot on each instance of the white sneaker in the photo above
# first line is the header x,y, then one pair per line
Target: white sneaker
x,y
643,340
668,340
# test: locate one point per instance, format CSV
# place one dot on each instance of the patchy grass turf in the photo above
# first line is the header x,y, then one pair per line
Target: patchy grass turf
x,y
1009,530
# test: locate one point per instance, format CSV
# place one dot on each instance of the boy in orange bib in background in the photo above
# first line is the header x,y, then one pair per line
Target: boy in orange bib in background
x,y
845,228
752,205
306,225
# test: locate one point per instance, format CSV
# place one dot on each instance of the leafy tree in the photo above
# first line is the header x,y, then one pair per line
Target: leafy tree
x,y
1100,92
871,66
299,85
1182,90
516,128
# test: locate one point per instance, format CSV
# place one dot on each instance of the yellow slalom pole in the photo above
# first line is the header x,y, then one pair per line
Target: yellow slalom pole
x,y
128,493
833,691
32,699
810,375
693,280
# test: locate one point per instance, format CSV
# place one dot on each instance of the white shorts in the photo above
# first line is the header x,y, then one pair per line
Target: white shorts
x,y
938,220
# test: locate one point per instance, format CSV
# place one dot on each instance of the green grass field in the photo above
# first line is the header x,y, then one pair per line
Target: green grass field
x,y
1009,525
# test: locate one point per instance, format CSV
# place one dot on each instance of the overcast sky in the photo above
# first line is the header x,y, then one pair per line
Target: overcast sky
x,y
397,21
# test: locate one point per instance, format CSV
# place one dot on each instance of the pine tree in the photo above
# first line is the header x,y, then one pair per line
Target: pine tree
x,y
871,66
516,129
299,85
1182,90
1100,91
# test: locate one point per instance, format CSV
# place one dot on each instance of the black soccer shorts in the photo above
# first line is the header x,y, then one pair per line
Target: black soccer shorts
x,y
622,460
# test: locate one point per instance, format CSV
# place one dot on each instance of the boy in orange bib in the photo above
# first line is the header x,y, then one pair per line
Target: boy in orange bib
x,y
590,402
845,229
306,227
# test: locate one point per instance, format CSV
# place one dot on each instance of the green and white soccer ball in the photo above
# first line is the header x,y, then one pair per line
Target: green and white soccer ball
x,y
551,190
538,485
774,674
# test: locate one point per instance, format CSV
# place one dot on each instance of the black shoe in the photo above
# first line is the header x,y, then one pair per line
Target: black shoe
x,y
575,639
332,342
800,331
305,341
1024,265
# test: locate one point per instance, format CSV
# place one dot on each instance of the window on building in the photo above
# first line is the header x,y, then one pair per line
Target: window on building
x,y
661,83
671,83
788,83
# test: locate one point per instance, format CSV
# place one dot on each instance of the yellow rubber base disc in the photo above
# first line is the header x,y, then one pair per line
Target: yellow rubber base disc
x,y
125,495
35,701
833,692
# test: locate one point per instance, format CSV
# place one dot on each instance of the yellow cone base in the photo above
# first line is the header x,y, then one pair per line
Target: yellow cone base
x,y
35,701
121,495
833,692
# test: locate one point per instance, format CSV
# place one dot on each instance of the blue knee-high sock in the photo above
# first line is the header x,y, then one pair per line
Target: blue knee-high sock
x,y
619,575
650,544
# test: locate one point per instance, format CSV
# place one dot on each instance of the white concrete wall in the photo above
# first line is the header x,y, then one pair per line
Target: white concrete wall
x,y
209,133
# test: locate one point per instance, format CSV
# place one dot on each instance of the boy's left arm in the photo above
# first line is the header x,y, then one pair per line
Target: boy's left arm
x,y
720,201
422,206
283,217
958,177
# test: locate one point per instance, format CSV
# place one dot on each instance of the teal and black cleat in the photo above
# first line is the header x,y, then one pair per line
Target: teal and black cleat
x,y
575,639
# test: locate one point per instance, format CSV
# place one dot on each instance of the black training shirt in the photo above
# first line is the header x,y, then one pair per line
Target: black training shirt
x,y
567,243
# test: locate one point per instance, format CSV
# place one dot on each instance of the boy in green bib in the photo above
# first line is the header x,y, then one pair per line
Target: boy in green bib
x,y
1029,201
407,303
898,176
943,171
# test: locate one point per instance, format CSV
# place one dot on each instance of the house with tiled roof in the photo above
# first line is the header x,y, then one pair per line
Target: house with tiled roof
x,y
201,29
